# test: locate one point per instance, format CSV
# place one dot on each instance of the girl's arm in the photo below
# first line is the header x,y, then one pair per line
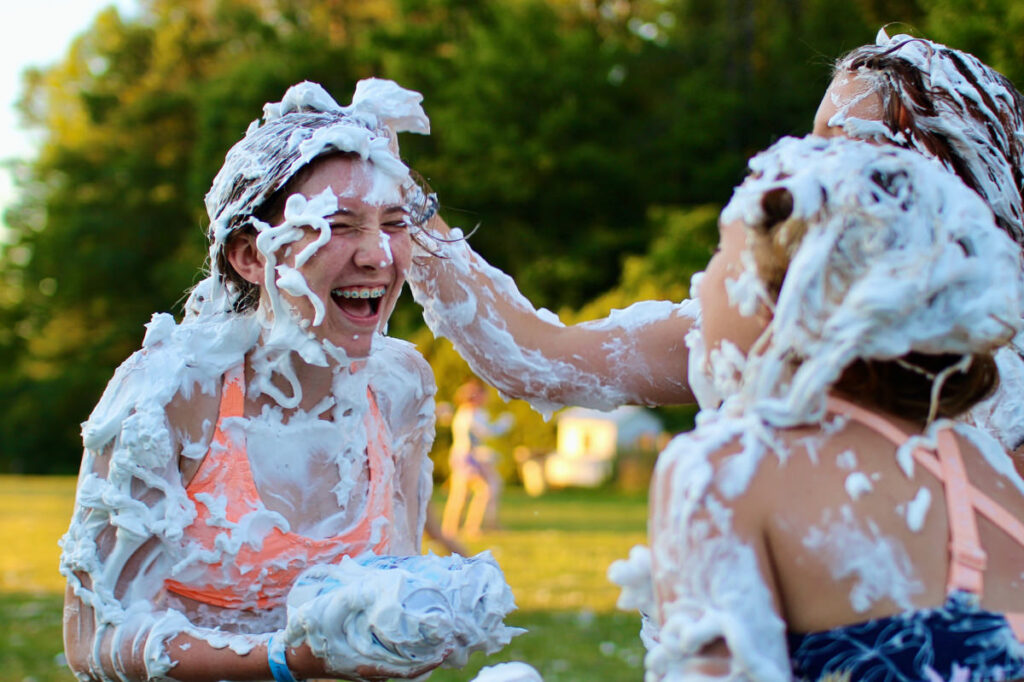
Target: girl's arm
x,y
116,560
715,594
411,420
193,655
637,355
484,427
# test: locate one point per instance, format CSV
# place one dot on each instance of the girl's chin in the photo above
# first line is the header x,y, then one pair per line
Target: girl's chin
x,y
354,345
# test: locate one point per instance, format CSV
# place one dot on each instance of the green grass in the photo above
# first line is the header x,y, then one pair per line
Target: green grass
x,y
567,646
34,513
30,638
554,550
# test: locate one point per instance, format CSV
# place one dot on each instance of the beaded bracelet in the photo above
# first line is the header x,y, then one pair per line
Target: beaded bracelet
x,y
275,656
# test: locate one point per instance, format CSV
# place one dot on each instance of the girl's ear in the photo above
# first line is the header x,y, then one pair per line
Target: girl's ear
x,y
245,258
905,120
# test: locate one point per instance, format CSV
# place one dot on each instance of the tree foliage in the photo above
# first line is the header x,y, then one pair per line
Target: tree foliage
x,y
586,138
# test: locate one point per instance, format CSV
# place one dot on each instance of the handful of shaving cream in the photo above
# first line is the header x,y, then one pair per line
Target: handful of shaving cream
x,y
401,613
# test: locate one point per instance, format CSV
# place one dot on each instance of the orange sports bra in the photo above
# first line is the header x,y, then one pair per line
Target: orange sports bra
x,y
258,570
967,558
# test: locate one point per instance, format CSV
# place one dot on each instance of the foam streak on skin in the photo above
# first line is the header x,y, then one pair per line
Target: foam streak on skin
x,y
127,532
507,341
880,565
716,586
857,484
918,508
385,246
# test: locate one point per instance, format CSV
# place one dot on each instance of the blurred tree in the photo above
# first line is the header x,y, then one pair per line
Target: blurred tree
x,y
558,125
988,29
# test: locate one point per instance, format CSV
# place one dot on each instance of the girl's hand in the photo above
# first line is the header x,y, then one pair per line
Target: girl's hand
x,y
304,664
383,673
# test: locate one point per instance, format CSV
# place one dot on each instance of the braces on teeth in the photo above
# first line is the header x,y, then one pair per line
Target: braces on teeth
x,y
362,293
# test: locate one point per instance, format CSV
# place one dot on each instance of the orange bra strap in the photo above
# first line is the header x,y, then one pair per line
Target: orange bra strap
x,y
991,509
968,559
880,424
884,428
232,404
995,513
232,397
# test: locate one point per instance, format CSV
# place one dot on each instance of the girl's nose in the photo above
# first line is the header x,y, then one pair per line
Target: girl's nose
x,y
373,249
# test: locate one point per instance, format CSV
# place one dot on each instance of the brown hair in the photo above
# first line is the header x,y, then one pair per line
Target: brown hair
x,y
468,391
902,386
911,103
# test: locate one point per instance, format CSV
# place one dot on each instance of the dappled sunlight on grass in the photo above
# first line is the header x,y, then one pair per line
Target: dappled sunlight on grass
x,y
555,549
30,639
553,570
34,513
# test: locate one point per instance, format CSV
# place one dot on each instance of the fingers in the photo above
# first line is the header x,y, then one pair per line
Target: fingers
x,y
375,673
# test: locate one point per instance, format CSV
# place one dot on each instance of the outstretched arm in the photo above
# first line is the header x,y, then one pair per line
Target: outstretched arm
x,y
193,654
634,356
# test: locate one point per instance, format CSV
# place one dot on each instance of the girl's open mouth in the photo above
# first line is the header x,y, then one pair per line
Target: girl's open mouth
x,y
359,301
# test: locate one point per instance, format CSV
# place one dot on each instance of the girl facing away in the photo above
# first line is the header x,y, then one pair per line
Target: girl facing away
x,y
910,92
246,470
832,517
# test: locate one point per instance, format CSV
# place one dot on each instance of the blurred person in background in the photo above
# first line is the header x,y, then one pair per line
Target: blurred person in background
x,y
473,464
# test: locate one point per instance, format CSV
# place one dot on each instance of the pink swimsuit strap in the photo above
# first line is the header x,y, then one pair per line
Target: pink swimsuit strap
x,y
225,477
967,558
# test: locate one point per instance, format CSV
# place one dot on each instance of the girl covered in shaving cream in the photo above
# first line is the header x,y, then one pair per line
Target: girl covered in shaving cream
x,y
254,476
831,518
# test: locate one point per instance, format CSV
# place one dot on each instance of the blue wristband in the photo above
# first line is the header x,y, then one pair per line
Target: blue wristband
x,y
275,657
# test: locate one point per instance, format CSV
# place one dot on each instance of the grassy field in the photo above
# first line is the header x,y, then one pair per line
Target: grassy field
x,y
554,551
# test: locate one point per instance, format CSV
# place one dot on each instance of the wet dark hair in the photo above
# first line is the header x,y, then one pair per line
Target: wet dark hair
x,y
902,386
989,106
